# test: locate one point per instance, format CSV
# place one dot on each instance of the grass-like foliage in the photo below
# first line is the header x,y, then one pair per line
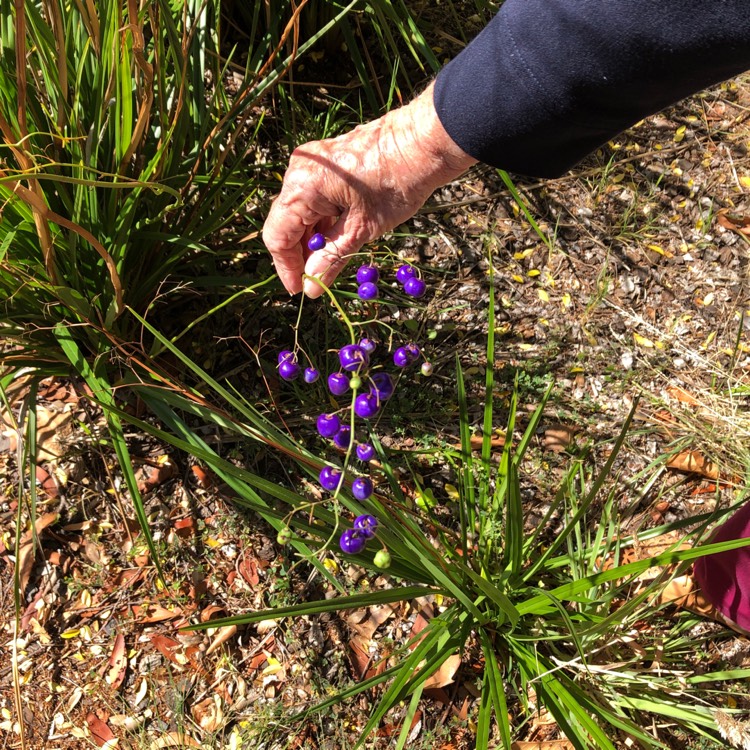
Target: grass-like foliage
x,y
105,120
121,157
551,624
121,163
120,160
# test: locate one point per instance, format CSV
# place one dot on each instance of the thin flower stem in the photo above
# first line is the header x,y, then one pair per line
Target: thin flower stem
x,y
335,303
297,325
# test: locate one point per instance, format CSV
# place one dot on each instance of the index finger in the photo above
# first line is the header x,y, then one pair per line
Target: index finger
x,y
283,234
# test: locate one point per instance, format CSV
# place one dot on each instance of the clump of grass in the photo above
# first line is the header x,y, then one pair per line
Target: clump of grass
x,y
122,163
113,121
551,627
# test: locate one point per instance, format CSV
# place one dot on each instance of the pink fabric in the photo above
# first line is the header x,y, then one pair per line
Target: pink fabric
x,y
724,577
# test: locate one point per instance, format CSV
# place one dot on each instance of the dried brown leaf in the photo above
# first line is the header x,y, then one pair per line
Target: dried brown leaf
x,y
257,661
359,657
212,610
248,569
100,731
734,221
694,462
169,648
202,477
209,714
683,396
149,613
151,475
118,663
381,613
477,441
444,676
558,437
173,739
224,634
127,578
47,483
420,622
184,527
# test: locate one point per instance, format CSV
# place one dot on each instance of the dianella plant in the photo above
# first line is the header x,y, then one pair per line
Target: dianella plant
x,y
556,620
122,168
121,163
124,153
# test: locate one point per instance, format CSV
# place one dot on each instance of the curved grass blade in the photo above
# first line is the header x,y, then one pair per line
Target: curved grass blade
x,y
569,591
438,637
493,694
574,520
408,719
102,391
369,599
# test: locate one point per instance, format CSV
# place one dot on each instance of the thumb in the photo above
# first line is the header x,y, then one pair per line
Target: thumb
x,y
343,240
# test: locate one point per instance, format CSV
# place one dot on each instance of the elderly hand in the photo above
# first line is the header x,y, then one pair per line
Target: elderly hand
x,y
356,187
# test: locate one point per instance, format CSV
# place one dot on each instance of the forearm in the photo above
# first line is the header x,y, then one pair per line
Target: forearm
x,y
417,132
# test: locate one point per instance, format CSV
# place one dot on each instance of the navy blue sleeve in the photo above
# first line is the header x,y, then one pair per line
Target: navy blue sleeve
x,y
548,81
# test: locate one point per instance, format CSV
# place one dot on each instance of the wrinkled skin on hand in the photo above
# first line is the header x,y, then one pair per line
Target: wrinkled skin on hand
x,y
355,187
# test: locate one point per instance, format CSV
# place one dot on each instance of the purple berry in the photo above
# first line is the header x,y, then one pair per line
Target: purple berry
x,y
381,385
366,405
330,478
367,273
413,351
366,525
368,345
415,287
365,452
289,370
287,356
404,273
401,357
338,383
311,375
352,542
361,489
353,357
426,369
328,425
343,438
367,291
316,242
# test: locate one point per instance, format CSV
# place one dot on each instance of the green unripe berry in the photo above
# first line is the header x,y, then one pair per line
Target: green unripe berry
x,y
284,536
355,382
382,559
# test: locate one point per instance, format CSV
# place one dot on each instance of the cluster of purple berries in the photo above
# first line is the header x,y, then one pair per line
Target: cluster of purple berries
x,y
370,388
289,368
406,275
368,275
